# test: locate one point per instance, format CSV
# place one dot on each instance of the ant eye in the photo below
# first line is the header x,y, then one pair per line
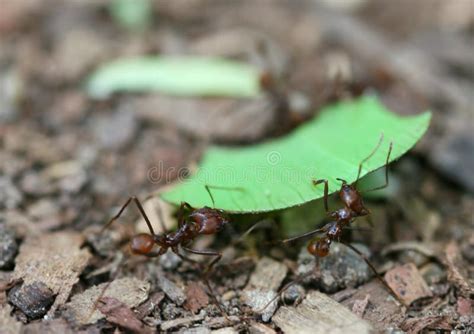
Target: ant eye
x,y
142,244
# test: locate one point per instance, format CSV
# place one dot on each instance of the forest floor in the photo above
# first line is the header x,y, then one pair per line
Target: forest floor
x,y
67,163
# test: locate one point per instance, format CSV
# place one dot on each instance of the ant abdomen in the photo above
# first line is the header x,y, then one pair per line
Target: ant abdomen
x,y
319,247
142,244
210,221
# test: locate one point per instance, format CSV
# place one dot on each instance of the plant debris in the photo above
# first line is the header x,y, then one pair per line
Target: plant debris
x,y
51,260
81,310
407,282
319,314
120,314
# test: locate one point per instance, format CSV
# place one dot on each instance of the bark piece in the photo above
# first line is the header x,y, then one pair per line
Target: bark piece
x,y
319,313
171,290
175,323
257,328
360,305
262,287
8,324
456,270
55,326
417,325
196,297
129,291
55,260
147,307
383,312
120,314
407,282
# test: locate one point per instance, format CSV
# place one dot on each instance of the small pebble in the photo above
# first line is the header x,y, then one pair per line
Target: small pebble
x,y
293,294
433,273
33,300
8,248
170,261
10,196
342,268
171,311
116,130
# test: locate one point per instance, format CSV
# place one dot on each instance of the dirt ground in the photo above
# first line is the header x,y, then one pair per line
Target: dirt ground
x,y
67,163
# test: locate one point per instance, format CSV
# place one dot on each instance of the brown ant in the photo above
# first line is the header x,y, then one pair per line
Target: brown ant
x,y
353,207
203,221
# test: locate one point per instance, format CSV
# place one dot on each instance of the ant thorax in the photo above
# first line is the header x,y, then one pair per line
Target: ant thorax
x,y
334,230
344,214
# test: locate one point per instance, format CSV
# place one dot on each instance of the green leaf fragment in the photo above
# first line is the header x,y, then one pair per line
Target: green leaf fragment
x,y
278,174
181,76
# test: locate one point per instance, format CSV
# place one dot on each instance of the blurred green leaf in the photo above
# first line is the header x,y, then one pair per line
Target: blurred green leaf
x,y
182,76
277,174
133,15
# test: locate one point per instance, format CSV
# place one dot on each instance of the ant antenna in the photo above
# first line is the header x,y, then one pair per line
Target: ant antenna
x,y
368,157
208,189
342,180
122,209
385,185
210,195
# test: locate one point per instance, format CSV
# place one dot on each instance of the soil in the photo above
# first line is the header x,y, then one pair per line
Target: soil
x,y
68,162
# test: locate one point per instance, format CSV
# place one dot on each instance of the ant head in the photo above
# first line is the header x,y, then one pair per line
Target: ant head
x,y
142,244
319,247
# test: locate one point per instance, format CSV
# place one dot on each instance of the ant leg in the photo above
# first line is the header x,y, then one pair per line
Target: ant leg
x,y
140,208
367,158
371,266
206,272
182,206
326,192
385,185
286,287
305,235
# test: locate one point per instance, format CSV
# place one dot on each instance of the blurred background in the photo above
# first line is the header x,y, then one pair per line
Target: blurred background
x,y
68,159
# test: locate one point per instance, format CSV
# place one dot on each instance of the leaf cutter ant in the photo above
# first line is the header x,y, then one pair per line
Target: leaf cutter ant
x,y
341,219
202,221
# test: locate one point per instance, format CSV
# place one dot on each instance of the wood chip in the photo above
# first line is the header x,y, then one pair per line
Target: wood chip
x,y
171,290
360,305
147,307
262,287
8,324
407,282
120,314
384,311
129,291
54,259
417,325
196,297
175,323
464,306
319,313
257,328
456,271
